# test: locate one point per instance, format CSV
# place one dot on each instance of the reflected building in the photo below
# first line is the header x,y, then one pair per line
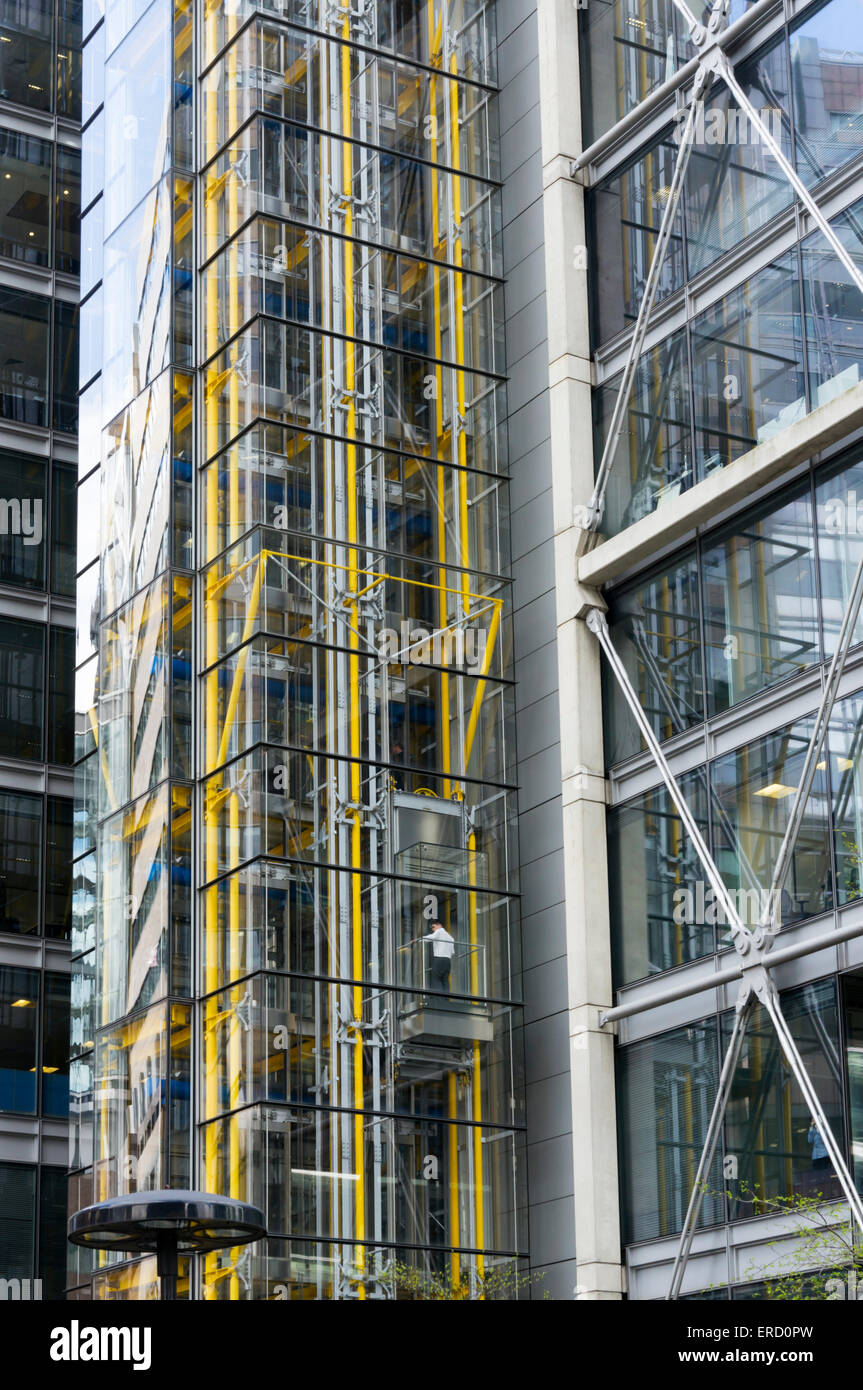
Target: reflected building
x,y
295,704
40,176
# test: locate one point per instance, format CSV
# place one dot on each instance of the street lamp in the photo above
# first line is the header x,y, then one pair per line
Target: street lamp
x,y
164,1223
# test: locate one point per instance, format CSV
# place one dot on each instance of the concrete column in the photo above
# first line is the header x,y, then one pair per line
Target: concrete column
x,y
594,1144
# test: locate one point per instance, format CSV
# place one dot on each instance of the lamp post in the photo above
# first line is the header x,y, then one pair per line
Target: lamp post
x,y
165,1223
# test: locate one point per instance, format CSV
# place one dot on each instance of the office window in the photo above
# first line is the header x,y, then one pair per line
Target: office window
x,y
23,519
748,366
624,214
760,609
839,512
827,81
20,861
25,198
17,1218
22,684
852,998
26,53
67,252
19,1017
58,868
69,59
768,1125
666,1087
53,1206
24,330
55,1045
846,778
753,789
65,382
61,695
662,910
733,185
627,50
653,460
656,630
64,531
834,310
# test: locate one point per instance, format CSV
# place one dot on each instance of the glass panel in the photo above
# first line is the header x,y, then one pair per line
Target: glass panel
x,y
755,787
53,1187
26,54
834,311
61,686
69,59
22,688
65,377
663,912
624,218
141,1099
135,494
93,82
93,160
655,628
137,330
828,89
84,902
58,868
18,1218
769,1129
63,530
19,1018
303,1169
67,253
839,508
852,999
25,197
748,366
282,916
666,1087
137,110
55,1045
81,1118
24,357
627,51
760,608
846,771
733,184
20,861
92,235
23,511
653,460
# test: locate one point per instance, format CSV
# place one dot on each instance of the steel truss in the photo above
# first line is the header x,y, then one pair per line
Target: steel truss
x,y
752,947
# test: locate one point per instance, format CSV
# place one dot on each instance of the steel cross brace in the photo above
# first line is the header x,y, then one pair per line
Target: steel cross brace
x,y
753,948
713,62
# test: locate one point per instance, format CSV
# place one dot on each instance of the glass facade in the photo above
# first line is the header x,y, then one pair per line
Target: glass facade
x,y
40,204
774,346
294,685
727,633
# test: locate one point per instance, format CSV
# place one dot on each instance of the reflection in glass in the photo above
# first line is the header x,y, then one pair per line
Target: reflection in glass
x,y
760,611
769,1127
748,366
827,80
20,861
653,461
662,911
25,197
19,1019
655,628
666,1087
24,357
625,214
755,787
733,184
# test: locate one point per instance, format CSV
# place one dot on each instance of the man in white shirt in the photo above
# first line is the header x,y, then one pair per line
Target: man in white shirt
x,y
443,948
